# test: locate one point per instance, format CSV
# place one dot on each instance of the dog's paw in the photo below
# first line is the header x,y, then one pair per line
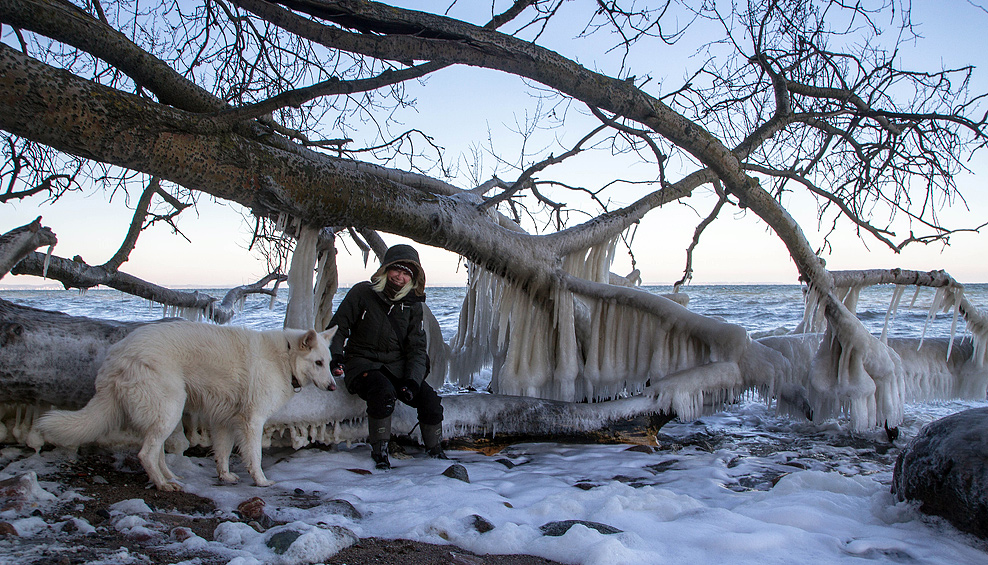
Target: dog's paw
x,y
263,482
170,486
229,477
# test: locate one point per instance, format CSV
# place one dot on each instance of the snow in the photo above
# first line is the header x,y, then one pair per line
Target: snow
x,y
741,486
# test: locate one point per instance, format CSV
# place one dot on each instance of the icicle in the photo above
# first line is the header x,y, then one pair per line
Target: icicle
x,y
44,268
890,313
300,311
813,318
274,294
849,296
953,330
934,307
912,303
281,223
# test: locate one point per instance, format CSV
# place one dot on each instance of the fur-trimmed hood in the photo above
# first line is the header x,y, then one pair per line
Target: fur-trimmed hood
x,y
407,255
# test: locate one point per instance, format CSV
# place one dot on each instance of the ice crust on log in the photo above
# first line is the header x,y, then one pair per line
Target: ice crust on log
x,y
576,349
856,375
573,348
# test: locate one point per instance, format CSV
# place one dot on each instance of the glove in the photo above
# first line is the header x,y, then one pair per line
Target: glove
x,y
407,390
336,367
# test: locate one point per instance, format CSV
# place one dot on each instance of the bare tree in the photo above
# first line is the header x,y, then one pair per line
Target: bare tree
x,y
791,95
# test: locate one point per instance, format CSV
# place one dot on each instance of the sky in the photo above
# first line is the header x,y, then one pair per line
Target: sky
x,y
739,250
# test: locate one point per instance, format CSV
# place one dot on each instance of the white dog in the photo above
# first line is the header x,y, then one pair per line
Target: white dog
x,y
232,378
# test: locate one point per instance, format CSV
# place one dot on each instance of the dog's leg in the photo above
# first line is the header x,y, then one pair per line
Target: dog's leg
x,y
152,456
222,447
156,423
250,451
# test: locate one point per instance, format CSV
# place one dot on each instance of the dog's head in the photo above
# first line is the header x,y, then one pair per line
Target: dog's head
x,y
312,360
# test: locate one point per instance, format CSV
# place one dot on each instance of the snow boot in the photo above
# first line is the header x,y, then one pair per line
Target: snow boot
x,y
378,434
432,437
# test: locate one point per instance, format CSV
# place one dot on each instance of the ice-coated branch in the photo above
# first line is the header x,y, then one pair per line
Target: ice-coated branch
x,y
18,243
193,305
592,341
233,300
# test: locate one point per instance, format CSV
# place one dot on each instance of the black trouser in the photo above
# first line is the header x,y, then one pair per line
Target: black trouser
x,y
378,390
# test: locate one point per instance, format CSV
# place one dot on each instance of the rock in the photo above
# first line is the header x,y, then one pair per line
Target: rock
x,y
280,541
506,462
481,524
945,468
343,508
561,527
23,494
7,529
252,509
345,536
458,472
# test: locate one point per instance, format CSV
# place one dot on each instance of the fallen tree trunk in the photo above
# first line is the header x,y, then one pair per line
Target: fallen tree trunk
x,y
51,359
48,359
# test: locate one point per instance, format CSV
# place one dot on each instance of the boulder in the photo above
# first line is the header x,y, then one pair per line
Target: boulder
x,y
945,469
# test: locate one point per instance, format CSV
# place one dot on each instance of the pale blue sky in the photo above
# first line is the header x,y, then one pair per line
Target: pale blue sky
x,y
732,251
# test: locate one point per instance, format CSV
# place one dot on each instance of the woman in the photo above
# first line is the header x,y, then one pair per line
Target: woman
x,y
380,348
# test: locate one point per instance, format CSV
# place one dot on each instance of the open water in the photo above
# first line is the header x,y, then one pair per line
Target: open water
x,y
757,308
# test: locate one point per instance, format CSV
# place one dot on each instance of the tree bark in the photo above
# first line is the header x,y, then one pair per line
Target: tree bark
x,y
18,243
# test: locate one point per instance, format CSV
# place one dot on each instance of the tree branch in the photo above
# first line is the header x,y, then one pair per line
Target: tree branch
x,y
18,243
77,274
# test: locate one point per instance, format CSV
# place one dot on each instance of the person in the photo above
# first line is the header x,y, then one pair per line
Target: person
x,y
380,350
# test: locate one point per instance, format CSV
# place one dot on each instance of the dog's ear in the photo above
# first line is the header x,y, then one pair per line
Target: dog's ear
x,y
309,340
328,334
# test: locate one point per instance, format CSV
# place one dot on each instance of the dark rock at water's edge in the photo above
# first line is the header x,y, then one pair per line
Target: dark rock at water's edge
x,y
945,468
559,528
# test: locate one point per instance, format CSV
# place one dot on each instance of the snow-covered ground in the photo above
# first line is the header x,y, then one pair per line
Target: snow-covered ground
x,y
741,486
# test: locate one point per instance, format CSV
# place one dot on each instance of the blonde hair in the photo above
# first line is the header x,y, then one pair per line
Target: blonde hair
x,y
380,281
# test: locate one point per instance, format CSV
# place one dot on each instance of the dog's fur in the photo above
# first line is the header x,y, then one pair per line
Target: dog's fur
x,y
233,378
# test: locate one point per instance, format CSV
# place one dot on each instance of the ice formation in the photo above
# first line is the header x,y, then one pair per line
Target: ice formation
x,y
310,302
870,379
301,312
573,347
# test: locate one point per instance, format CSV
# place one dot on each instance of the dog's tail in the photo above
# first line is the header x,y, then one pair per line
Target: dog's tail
x,y
72,428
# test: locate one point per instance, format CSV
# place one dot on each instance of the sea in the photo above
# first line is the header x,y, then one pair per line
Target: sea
x,y
742,485
757,308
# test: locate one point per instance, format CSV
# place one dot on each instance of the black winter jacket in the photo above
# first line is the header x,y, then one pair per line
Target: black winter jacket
x,y
366,339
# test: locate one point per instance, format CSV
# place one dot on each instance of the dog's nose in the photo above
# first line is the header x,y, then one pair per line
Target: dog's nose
x,y
331,387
